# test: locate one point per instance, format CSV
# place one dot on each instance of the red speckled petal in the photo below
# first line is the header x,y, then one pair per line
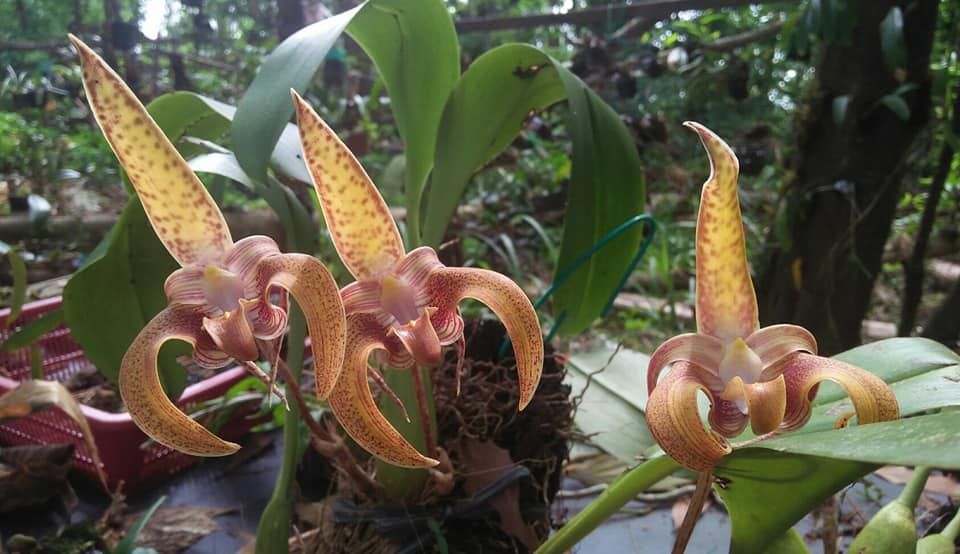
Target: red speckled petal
x,y
184,216
185,286
309,283
674,421
361,297
725,416
872,398
143,395
726,301
702,350
354,406
243,258
447,286
772,343
360,223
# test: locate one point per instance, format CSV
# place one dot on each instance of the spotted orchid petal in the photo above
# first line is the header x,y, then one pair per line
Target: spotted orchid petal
x,y
182,212
360,223
872,399
449,285
310,283
354,407
726,303
773,343
143,394
702,350
674,420
420,339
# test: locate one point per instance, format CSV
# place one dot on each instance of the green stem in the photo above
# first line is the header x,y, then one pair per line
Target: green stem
x,y
616,496
274,529
952,530
911,493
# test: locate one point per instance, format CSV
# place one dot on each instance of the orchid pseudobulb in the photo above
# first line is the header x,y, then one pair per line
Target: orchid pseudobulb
x,y
220,299
766,377
402,304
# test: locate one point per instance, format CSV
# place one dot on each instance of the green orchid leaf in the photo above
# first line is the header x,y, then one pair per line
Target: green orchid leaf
x,y
414,46
484,113
766,492
266,107
487,110
107,302
606,189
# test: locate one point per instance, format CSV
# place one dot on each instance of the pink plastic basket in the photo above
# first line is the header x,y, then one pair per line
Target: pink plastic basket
x,y
118,440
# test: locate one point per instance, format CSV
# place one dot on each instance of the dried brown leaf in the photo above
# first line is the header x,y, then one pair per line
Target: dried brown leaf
x,y
36,395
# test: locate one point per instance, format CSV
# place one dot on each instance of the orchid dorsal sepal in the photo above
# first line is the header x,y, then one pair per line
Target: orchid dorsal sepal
x,y
221,300
182,212
767,376
409,301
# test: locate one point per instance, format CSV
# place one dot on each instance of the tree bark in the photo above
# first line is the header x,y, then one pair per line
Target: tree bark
x,y
841,201
944,325
290,17
913,268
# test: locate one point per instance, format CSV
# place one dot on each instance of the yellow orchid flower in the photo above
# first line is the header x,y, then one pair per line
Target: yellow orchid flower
x,y
765,376
219,301
402,304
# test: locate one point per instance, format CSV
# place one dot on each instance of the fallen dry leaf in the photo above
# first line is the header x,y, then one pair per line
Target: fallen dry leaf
x,y
36,395
31,475
175,529
483,463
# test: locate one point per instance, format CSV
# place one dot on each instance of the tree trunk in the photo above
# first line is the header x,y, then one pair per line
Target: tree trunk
x,y
290,18
841,201
944,325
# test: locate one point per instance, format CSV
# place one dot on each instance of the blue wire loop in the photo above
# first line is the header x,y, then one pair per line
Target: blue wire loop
x,y
564,275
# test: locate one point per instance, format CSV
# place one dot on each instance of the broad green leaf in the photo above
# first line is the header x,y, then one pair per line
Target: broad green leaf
x,y
892,360
187,114
107,302
414,46
266,107
483,115
606,189
766,492
611,408
33,330
892,44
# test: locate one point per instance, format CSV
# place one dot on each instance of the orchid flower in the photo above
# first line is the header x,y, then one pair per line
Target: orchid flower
x,y
766,376
220,299
403,304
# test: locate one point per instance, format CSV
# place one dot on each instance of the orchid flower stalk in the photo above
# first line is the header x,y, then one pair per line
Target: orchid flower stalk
x,y
221,300
765,376
404,305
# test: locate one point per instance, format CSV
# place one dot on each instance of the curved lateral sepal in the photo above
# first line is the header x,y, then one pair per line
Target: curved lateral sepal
x,y
143,394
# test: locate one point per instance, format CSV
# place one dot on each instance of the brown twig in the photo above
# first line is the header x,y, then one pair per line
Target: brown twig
x,y
704,484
